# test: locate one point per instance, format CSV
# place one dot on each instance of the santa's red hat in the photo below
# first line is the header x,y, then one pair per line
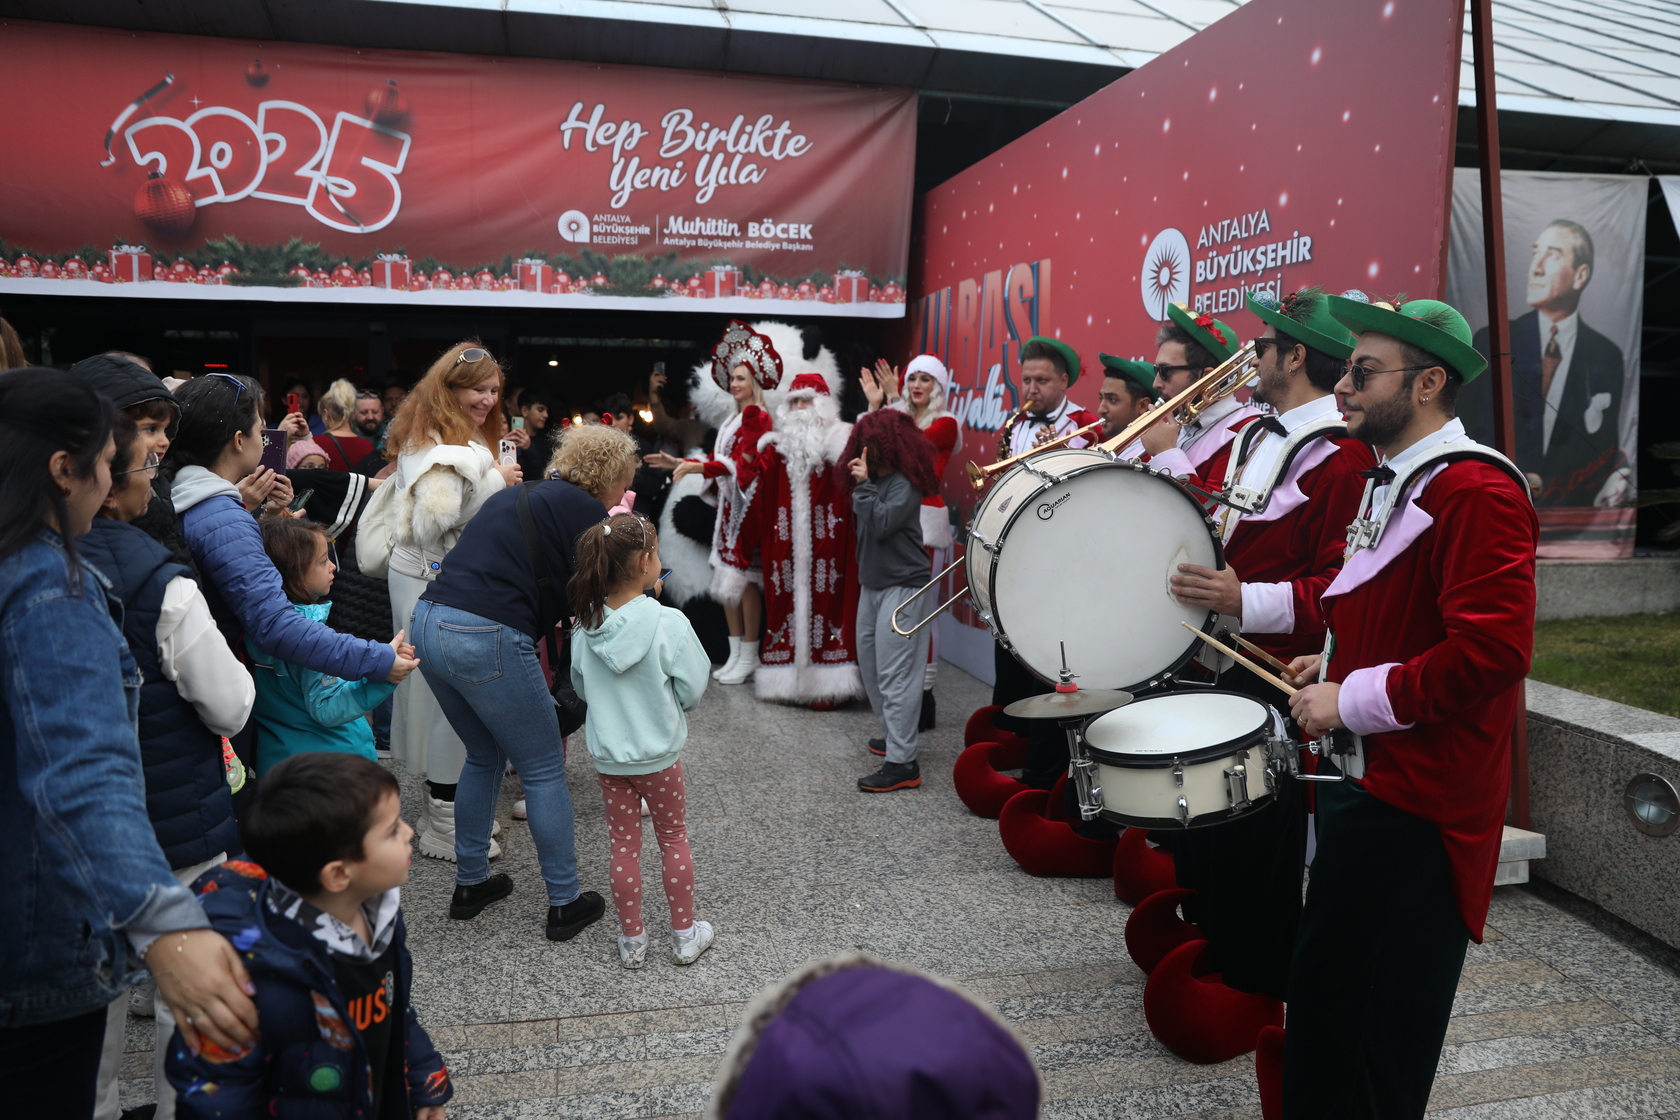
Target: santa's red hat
x,y
812,382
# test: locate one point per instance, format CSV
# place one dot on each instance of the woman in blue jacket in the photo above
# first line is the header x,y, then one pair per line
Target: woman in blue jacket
x,y
219,442
87,888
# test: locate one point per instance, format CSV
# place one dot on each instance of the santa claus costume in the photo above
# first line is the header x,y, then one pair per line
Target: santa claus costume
x,y
809,653
735,542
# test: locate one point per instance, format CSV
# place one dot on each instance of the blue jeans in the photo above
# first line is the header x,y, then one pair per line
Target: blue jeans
x,y
488,682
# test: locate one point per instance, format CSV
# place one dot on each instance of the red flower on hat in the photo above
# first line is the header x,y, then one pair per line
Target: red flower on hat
x,y
1206,322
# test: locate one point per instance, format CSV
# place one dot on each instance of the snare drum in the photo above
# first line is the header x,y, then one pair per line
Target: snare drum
x,y
1185,759
1053,539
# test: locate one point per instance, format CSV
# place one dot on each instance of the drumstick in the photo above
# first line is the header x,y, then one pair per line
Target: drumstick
x,y
1258,652
1269,678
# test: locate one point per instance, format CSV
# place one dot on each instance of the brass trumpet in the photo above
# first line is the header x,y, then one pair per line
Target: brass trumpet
x,y
978,476
1196,398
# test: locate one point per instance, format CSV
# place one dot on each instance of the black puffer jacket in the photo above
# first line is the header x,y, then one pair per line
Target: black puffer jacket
x,y
187,795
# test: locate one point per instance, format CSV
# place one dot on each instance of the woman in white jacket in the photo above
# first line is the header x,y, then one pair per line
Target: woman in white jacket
x,y
444,440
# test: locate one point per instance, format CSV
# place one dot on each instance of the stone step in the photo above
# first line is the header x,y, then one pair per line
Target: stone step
x,y
1515,851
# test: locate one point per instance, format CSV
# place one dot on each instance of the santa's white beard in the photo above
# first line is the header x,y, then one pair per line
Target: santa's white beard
x,y
801,434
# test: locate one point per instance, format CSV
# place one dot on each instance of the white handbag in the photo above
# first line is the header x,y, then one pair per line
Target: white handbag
x,y
374,539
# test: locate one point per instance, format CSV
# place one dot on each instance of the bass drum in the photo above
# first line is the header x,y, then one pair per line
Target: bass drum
x,y
1075,548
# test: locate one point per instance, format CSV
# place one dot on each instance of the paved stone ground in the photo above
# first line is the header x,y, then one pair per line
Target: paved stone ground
x,y
1554,1019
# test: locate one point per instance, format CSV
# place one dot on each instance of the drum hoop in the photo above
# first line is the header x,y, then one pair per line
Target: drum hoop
x,y
1246,741
1181,659
1174,824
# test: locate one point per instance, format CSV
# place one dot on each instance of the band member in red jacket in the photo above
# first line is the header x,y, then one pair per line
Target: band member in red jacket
x,y
1189,346
1295,478
1431,630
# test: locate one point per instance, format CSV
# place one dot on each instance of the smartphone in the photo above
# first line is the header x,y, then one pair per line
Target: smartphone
x,y
291,403
519,423
274,449
509,452
653,592
301,500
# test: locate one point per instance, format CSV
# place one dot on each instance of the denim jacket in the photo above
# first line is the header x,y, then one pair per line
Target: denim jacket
x,y
82,874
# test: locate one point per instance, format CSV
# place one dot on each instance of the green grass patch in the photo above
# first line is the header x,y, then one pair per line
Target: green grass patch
x,y
1633,659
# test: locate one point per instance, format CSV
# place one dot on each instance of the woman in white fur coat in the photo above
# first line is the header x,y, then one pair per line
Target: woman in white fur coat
x,y
442,440
745,364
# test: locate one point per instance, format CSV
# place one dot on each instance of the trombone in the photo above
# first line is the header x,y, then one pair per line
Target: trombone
x,y
978,476
1196,398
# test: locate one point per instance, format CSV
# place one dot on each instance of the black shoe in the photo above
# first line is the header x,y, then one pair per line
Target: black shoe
x,y
878,746
468,901
891,776
928,711
566,922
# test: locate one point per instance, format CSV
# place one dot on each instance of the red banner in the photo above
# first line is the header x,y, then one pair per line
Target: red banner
x,y
1268,152
282,171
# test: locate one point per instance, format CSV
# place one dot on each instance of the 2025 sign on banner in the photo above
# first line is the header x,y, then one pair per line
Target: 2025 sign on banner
x,y
295,172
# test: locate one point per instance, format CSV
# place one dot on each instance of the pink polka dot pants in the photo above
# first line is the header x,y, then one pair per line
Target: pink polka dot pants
x,y
666,796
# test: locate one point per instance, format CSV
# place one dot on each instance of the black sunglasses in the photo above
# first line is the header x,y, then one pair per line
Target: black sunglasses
x,y
1163,370
1360,374
471,354
1260,345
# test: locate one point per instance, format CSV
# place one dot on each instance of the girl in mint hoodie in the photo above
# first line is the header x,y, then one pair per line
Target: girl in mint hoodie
x,y
639,667
299,709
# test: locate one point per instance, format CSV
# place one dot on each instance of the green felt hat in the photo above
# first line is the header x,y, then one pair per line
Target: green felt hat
x,y
1305,317
1221,341
1427,324
1142,373
1069,355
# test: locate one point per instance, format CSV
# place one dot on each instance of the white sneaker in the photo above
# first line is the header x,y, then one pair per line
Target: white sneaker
x,y
728,665
437,836
140,999
743,668
519,810
687,950
632,951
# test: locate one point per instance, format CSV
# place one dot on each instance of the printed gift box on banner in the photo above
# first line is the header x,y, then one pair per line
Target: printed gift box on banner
x,y
851,286
130,264
533,275
721,283
390,270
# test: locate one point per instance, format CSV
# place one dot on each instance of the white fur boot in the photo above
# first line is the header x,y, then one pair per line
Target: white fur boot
x,y
744,667
437,838
728,665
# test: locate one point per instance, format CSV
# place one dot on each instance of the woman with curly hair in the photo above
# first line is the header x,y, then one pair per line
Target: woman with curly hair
x,y
890,467
477,629
927,384
443,442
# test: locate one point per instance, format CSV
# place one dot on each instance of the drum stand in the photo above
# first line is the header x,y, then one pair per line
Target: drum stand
x,y
1071,707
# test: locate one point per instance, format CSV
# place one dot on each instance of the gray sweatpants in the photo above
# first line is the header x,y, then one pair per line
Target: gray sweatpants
x,y
892,667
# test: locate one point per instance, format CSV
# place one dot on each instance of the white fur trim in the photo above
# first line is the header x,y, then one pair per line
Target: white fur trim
x,y
936,527
835,442
928,364
689,560
436,497
729,584
801,684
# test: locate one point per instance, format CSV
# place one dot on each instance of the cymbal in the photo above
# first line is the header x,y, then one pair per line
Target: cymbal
x,y
1069,705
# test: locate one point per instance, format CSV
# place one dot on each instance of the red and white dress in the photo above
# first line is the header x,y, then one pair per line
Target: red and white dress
x,y
735,536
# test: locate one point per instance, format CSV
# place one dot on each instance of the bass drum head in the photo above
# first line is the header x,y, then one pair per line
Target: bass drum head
x,y
1183,725
1085,561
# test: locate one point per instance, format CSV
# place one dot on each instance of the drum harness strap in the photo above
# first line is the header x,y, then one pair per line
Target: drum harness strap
x,y
1365,532
1255,499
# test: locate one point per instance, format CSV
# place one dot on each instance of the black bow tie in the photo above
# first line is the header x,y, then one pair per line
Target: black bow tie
x,y
1272,424
1381,474
1039,417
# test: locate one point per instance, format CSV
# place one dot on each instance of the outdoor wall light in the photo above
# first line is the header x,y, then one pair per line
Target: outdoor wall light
x,y
1652,804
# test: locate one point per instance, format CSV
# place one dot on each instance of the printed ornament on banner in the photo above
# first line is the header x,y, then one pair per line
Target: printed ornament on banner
x,y
534,275
721,281
386,105
165,205
130,264
851,286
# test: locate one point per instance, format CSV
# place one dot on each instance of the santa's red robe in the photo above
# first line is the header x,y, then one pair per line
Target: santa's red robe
x,y
1434,629
806,542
